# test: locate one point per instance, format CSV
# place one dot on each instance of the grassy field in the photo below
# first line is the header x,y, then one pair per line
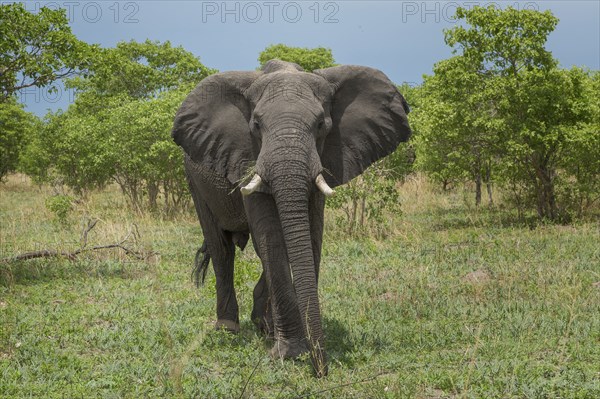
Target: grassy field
x,y
457,302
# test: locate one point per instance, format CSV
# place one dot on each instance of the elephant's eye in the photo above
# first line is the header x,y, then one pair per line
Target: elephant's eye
x,y
321,124
256,126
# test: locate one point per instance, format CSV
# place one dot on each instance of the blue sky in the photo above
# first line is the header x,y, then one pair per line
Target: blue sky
x,y
402,38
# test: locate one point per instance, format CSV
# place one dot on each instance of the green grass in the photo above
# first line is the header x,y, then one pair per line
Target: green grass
x,y
456,302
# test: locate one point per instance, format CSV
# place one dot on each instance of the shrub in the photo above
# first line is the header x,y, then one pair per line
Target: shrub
x,y
61,206
370,203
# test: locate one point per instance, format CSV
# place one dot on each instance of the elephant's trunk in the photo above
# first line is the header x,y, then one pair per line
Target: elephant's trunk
x,y
291,190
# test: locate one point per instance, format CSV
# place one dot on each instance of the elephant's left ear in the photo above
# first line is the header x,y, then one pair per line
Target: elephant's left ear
x,y
368,121
212,124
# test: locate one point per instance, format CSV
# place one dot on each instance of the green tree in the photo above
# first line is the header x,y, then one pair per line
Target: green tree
x,y
37,49
309,59
118,128
503,42
458,139
139,70
16,125
581,156
552,152
70,149
146,161
504,48
501,110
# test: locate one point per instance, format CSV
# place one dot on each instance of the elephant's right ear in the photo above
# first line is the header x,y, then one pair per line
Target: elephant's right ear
x,y
212,124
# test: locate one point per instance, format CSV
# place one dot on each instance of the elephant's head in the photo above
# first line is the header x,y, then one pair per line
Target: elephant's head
x,y
302,132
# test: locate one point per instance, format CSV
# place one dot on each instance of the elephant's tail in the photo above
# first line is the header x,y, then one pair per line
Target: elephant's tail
x,y
200,265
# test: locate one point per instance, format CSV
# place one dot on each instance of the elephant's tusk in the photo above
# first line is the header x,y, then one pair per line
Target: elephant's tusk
x,y
252,186
323,186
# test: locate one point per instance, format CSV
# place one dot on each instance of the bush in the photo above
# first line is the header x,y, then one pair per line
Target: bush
x,y
147,163
61,206
370,202
119,127
309,59
15,127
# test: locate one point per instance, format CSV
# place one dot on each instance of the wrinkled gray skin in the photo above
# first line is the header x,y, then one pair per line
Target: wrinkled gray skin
x,y
288,126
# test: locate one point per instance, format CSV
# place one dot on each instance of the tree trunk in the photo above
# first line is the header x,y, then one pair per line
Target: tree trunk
x,y
546,198
478,189
152,188
549,194
488,184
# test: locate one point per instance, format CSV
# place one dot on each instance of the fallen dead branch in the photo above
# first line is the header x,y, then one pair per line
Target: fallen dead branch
x,y
72,255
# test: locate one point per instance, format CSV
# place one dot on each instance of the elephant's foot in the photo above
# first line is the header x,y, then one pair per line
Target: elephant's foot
x,y
288,348
227,325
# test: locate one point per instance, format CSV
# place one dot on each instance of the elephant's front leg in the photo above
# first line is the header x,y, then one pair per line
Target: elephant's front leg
x,y
268,238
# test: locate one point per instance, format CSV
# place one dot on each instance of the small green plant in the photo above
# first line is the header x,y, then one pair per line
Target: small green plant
x,y
61,206
369,203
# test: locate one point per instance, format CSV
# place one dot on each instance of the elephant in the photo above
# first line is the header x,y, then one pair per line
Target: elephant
x,y
262,150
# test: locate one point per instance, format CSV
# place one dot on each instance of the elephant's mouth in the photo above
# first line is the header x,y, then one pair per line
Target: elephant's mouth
x,y
257,185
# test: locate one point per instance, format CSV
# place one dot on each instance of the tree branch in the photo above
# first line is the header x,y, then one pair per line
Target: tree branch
x,y
52,253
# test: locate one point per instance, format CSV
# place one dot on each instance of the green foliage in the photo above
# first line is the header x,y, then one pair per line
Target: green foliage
x,y
146,160
309,59
580,158
119,127
71,148
61,206
37,49
127,142
369,202
456,140
140,70
552,142
500,111
503,41
16,126
400,163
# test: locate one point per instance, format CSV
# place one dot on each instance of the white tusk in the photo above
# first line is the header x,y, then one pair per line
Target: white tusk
x,y
252,186
323,186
